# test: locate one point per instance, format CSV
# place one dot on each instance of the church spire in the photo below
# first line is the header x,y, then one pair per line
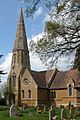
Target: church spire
x,y
21,40
20,50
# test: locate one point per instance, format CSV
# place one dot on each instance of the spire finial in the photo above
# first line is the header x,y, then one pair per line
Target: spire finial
x,y
21,2
21,11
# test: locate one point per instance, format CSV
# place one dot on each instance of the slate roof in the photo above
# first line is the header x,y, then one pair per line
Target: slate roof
x,y
42,78
61,79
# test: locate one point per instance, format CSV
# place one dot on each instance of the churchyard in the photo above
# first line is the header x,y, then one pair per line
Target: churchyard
x,y
34,114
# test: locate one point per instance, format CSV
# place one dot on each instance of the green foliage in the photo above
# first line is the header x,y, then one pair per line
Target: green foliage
x,y
31,6
42,43
52,29
4,89
52,25
78,2
3,108
32,115
61,34
61,7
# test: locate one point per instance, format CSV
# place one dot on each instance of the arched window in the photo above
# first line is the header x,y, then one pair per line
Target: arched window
x,y
22,93
29,93
22,57
14,80
53,94
14,58
19,57
70,90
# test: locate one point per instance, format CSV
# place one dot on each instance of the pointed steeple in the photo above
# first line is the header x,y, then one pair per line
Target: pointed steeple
x,y
21,40
20,50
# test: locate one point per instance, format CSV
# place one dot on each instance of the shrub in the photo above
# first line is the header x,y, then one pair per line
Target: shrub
x,y
2,101
3,108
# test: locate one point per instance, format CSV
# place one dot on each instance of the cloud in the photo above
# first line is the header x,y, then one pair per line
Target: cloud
x,y
36,63
5,65
37,37
38,12
46,18
66,62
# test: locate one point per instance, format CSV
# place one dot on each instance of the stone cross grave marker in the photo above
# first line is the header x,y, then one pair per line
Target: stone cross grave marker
x,y
13,112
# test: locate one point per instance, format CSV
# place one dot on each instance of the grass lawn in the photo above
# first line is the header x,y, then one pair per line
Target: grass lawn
x,y
27,115
31,114
3,116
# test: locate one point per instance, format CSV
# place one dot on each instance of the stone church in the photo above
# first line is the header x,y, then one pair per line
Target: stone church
x,y
28,87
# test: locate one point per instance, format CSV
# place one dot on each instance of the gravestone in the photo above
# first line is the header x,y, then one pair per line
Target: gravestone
x,y
78,110
40,108
13,112
63,114
69,105
44,108
72,113
52,115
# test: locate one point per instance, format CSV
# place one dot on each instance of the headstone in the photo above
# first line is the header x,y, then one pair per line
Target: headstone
x,y
63,114
40,108
78,111
69,105
72,113
52,115
13,112
44,108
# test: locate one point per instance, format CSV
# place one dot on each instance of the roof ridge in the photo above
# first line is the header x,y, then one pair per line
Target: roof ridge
x,y
52,76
